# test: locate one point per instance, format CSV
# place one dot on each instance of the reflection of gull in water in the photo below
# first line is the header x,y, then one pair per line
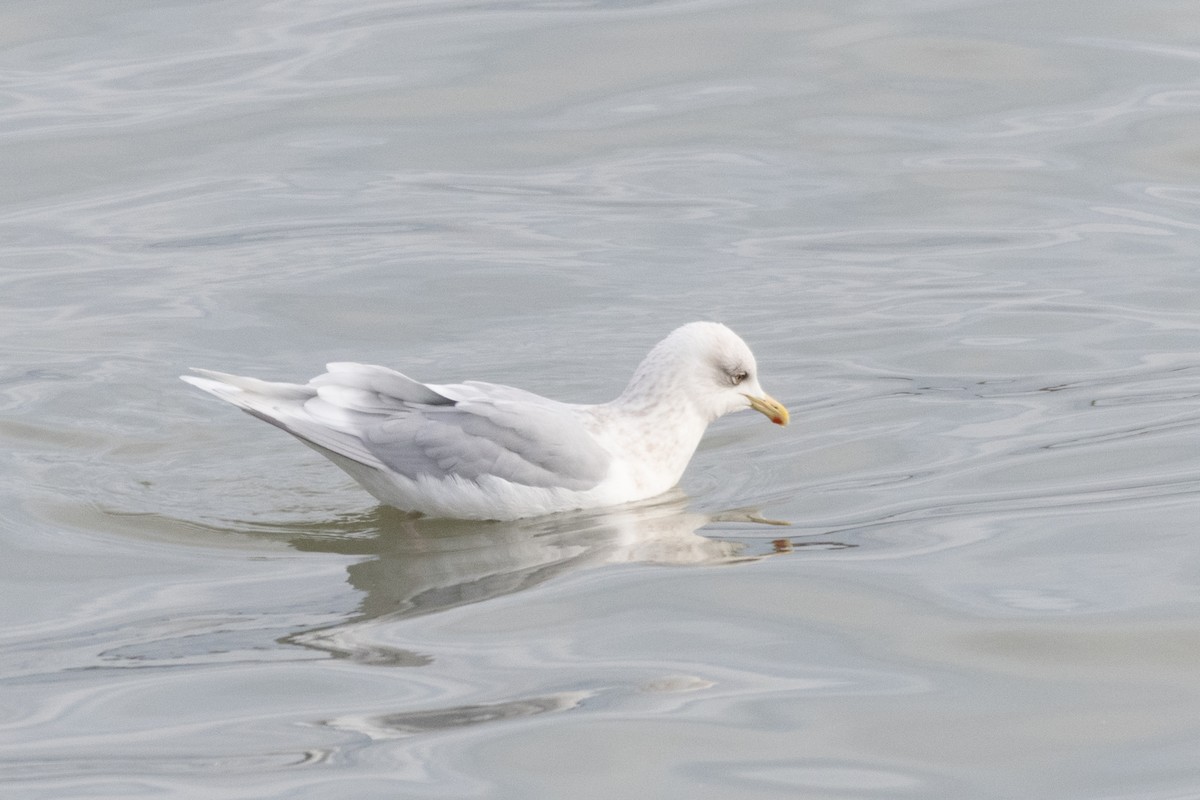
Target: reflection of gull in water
x,y
422,566
419,567
411,723
412,569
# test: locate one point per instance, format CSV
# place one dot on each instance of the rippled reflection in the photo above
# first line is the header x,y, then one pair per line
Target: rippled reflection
x,y
416,566
411,723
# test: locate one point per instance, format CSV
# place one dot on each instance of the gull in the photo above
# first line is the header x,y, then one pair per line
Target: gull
x,y
477,450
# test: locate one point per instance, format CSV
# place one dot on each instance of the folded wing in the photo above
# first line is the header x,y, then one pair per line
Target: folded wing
x,y
521,442
385,420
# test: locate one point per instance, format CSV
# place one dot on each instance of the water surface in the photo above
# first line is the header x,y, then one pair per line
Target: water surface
x,y
960,237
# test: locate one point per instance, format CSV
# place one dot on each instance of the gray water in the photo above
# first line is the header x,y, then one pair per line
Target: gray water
x,y
963,238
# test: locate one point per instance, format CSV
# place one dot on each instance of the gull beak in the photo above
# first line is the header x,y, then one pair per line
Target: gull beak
x,y
772,408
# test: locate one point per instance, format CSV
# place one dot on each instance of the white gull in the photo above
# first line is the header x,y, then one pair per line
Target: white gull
x,y
478,450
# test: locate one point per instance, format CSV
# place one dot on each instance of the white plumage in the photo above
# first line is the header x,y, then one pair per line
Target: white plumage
x,y
484,451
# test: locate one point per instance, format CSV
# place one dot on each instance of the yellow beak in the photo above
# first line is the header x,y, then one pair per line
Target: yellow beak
x,y
768,405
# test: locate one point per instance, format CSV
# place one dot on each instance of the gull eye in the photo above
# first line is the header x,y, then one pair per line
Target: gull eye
x,y
737,377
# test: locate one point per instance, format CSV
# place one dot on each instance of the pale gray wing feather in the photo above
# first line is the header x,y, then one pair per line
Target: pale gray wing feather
x,y
540,444
296,408
381,381
386,420
493,392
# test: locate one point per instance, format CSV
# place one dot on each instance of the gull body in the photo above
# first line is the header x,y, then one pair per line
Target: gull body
x,y
478,450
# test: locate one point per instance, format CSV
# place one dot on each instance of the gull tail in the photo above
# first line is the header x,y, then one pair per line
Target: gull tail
x,y
270,402
291,407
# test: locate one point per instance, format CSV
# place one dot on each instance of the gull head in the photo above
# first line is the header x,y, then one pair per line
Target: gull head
x,y
711,368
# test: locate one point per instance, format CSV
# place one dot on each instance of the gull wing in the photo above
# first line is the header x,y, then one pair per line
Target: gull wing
x,y
540,444
385,420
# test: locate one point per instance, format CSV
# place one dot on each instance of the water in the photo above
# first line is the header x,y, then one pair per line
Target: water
x,y
960,236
